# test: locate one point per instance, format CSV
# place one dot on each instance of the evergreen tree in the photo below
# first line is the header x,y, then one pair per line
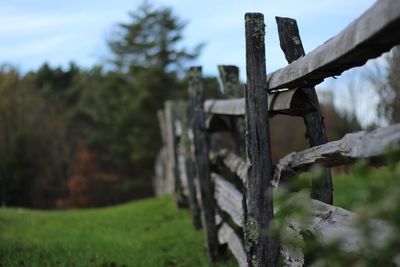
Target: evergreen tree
x,y
152,40
148,51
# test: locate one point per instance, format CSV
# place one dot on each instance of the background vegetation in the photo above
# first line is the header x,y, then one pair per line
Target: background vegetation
x,y
78,138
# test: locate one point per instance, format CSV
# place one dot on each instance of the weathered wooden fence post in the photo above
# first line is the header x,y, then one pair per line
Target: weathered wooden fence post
x,y
173,172
292,47
232,88
186,150
162,125
202,162
229,75
261,246
160,178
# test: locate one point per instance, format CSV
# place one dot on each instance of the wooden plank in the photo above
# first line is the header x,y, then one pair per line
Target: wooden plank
x,y
372,34
226,235
160,174
201,156
183,175
235,164
290,41
370,145
228,198
330,224
262,249
278,103
234,107
221,112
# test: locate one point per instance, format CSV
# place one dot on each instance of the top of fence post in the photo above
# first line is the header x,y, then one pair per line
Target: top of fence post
x,y
229,75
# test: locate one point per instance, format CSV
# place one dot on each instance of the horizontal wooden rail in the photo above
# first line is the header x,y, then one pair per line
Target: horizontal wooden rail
x,y
291,102
234,163
330,224
354,146
226,235
228,198
372,34
234,107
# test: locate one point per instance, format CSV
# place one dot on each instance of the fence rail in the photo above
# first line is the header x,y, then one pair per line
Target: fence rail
x,y
293,102
374,33
232,190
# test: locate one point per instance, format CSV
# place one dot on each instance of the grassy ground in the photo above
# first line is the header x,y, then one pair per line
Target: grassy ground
x,y
142,233
364,185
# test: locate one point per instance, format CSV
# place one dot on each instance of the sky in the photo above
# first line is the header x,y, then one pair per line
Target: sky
x,y
36,31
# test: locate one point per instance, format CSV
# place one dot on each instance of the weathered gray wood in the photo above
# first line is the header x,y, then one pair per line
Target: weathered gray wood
x,y
330,224
229,76
327,223
193,203
173,174
228,198
234,107
188,154
278,103
374,33
183,175
160,174
261,247
235,164
226,235
292,47
370,145
203,168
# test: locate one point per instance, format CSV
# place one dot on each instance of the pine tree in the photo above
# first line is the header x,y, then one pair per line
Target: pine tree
x,y
149,52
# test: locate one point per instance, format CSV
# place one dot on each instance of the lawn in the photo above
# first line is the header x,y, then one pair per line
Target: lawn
x,y
141,233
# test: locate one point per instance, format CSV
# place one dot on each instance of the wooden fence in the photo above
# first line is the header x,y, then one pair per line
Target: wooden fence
x,y
229,191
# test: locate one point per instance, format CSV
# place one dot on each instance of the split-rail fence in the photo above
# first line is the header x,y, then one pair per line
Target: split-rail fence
x,y
230,192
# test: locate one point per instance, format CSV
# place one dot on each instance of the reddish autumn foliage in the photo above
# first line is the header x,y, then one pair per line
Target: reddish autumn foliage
x,y
88,184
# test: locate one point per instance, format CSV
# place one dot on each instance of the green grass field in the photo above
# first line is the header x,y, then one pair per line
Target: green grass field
x,y
144,233
141,233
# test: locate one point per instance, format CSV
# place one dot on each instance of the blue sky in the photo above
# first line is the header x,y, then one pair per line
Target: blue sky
x,y
35,31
